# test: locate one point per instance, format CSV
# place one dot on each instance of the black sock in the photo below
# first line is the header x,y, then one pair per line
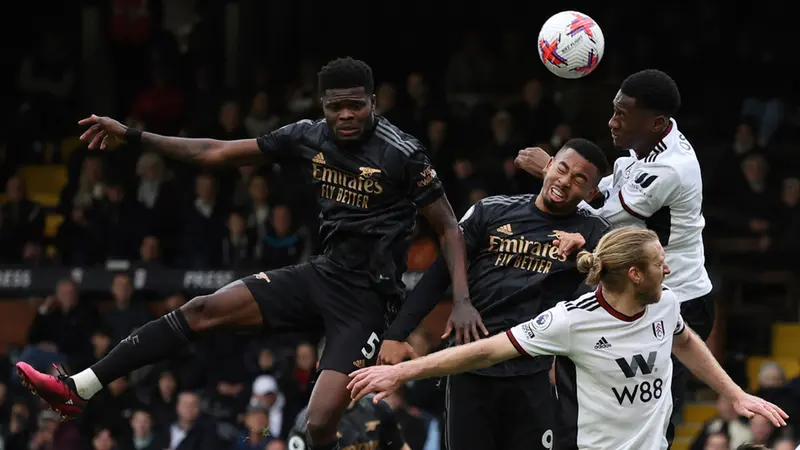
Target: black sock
x,y
333,446
151,343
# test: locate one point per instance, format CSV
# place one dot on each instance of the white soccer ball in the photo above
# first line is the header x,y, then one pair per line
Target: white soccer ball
x,y
571,44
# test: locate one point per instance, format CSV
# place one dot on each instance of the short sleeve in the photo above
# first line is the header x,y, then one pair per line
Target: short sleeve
x,y
680,325
280,143
547,334
425,185
648,190
472,226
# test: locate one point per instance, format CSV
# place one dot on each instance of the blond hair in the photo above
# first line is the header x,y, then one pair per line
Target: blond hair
x,y
616,252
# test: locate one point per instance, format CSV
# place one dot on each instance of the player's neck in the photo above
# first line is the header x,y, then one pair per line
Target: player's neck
x,y
647,146
624,302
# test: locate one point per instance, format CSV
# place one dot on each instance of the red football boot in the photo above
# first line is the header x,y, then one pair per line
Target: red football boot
x,y
54,390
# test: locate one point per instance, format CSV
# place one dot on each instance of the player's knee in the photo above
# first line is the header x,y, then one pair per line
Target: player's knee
x,y
322,425
198,313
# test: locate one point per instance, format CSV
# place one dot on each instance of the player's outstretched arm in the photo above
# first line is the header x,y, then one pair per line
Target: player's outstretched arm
x,y
105,132
383,380
695,355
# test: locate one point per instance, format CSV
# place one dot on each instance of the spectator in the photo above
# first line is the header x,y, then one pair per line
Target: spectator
x,y
726,422
21,221
238,245
268,399
125,314
144,436
717,441
203,223
62,324
261,119
190,431
285,243
126,223
103,440
257,432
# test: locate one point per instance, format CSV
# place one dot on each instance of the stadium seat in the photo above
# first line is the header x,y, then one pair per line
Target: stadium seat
x,y
790,365
69,145
51,224
688,430
785,339
698,413
46,200
682,443
44,179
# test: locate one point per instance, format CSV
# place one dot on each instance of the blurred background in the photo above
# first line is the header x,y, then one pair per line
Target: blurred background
x,y
94,244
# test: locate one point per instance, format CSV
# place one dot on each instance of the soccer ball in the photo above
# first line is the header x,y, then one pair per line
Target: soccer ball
x,y
571,44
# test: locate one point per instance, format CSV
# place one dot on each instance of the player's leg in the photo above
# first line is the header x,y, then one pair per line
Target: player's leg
x,y
328,402
354,320
233,306
469,413
528,412
699,316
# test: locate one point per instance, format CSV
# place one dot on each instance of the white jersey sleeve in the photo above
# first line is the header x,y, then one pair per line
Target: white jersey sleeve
x,y
547,334
680,325
605,184
647,190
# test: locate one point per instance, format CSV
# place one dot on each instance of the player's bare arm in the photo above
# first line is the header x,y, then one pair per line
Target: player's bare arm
x,y
532,160
695,355
383,380
105,132
464,319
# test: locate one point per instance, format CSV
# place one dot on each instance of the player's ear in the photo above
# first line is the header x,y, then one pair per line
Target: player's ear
x,y
660,123
634,275
374,100
549,163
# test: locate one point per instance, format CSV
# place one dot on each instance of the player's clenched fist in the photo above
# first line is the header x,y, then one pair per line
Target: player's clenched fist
x,y
103,132
533,160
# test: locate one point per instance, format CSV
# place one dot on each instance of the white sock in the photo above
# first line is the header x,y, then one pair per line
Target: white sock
x,y
87,384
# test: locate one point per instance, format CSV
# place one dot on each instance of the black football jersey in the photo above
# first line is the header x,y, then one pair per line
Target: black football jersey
x,y
368,195
364,426
514,270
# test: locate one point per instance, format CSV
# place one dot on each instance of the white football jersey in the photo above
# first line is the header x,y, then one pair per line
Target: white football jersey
x,y
613,372
664,192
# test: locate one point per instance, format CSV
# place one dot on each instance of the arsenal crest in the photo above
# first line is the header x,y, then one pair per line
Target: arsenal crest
x,y
658,329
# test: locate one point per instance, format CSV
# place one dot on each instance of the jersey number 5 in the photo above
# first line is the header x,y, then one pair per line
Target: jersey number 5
x,y
372,346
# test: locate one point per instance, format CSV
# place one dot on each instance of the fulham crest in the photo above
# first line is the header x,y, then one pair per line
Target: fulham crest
x,y
658,329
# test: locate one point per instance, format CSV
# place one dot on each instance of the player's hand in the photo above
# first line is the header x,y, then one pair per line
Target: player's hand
x,y
467,323
382,380
533,160
567,243
103,132
395,352
747,405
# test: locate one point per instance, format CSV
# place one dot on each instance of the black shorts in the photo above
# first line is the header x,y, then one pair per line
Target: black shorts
x,y
301,299
499,413
698,314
